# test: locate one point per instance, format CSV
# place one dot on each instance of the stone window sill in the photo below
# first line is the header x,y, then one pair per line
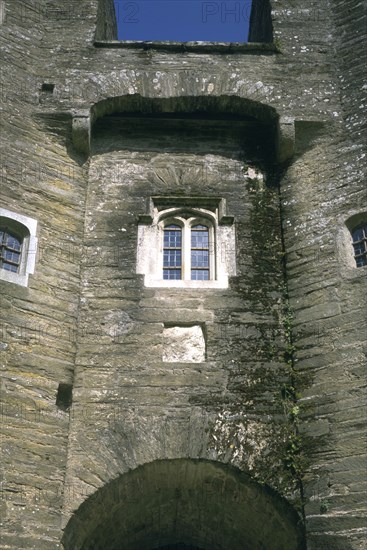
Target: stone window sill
x,y
172,283
200,47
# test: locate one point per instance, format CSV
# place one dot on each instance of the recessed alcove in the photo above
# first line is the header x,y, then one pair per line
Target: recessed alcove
x,y
233,126
64,396
256,125
183,344
48,88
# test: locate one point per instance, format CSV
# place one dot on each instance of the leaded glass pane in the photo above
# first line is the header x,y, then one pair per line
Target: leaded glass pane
x,y
200,253
12,242
172,237
361,261
359,236
199,258
10,267
172,258
172,252
199,236
10,256
359,248
10,248
200,274
172,274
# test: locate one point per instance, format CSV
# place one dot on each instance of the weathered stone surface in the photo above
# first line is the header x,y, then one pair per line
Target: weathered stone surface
x,y
201,120
183,344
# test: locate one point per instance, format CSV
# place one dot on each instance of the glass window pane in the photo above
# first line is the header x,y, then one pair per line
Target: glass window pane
x,y
172,253
199,236
358,248
172,238
200,252
199,258
12,242
172,274
172,258
361,261
199,239
10,267
357,234
200,274
11,256
10,248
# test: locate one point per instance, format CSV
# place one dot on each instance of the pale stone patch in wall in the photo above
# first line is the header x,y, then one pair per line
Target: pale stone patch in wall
x,y
183,344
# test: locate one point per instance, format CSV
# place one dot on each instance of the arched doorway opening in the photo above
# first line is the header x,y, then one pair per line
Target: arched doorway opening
x,y
185,505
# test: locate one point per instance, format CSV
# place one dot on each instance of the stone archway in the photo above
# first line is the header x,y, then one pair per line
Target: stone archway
x,y
280,130
184,504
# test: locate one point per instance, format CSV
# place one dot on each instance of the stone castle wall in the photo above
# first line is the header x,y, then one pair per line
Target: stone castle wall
x,y
290,325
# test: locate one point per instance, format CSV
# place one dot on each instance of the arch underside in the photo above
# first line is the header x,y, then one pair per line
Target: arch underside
x,y
255,119
184,504
222,106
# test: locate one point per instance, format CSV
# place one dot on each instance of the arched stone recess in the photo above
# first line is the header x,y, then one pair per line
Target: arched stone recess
x,y
193,503
280,130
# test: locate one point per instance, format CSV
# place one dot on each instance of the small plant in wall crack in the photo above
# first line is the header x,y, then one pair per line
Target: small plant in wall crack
x,y
278,44
294,458
324,506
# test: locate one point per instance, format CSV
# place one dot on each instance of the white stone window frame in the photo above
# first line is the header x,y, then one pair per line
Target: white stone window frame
x,y
26,227
221,239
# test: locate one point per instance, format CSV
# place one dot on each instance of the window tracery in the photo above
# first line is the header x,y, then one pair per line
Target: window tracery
x,y
181,245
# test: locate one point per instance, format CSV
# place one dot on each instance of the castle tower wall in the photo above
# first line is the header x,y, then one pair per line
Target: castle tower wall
x,y
93,133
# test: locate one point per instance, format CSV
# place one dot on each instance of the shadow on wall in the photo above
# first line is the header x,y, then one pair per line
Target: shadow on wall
x,y
261,26
194,503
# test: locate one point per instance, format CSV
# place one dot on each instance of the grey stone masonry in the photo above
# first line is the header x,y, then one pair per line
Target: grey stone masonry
x,y
220,417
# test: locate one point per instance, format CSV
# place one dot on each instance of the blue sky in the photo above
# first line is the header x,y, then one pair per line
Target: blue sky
x,y
183,20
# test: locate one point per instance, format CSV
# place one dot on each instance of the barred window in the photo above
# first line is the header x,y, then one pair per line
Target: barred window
x,y
186,242
172,252
10,250
359,238
188,249
18,247
200,253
